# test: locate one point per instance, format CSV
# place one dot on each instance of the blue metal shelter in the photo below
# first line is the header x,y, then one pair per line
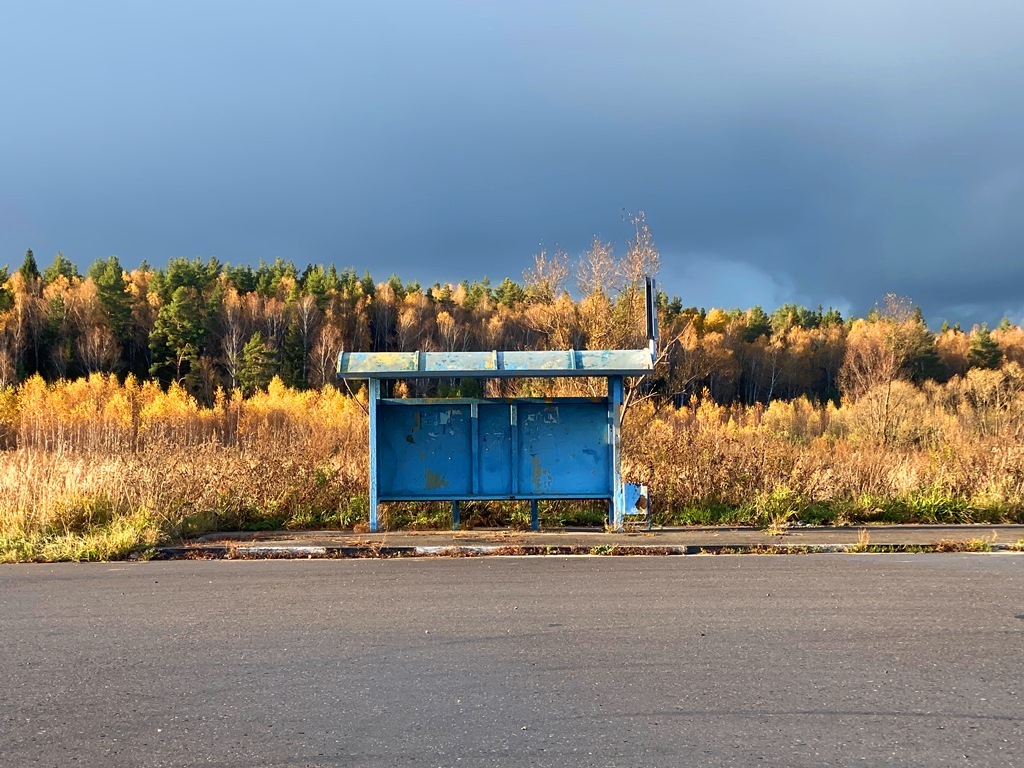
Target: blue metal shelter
x,y
462,449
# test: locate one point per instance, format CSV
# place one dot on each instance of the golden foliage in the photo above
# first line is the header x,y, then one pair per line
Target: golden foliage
x,y
93,463
94,468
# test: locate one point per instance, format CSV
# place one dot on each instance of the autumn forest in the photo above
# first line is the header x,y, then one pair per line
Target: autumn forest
x,y
147,404
207,325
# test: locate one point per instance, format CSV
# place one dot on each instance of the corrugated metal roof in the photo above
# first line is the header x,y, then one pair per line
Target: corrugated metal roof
x,y
410,365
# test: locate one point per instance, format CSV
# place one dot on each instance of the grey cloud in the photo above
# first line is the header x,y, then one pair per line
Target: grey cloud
x,y
818,152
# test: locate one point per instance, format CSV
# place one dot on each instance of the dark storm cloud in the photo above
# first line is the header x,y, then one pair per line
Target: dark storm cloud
x,y
818,152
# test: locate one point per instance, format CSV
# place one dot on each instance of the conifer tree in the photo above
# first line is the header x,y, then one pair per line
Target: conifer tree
x,y
293,356
317,283
6,299
178,334
922,355
242,278
61,266
110,289
983,352
509,293
29,269
257,368
758,324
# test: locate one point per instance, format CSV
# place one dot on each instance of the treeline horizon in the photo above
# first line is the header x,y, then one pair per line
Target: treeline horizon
x,y
208,325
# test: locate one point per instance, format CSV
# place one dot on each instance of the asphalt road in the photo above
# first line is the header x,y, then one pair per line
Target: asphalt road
x,y
701,661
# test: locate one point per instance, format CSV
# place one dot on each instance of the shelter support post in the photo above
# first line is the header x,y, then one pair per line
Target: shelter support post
x,y
534,516
618,502
373,386
456,521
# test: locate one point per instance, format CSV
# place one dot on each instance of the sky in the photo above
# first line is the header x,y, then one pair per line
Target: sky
x,y
815,152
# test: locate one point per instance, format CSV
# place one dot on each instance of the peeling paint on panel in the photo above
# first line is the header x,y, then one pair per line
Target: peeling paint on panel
x,y
434,481
541,476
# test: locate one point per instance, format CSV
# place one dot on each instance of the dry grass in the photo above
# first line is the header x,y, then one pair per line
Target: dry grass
x,y
796,462
96,469
863,541
101,470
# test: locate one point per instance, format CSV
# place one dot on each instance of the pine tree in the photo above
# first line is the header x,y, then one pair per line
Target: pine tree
x,y
758,324
831,318
293,356
477,292
317,283
6,299
395,282
922,355
243,278
178,334
367,285
61,266
509,293
29,269
983,352
108,277
257,368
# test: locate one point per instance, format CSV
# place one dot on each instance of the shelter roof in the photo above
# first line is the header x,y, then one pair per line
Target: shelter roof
x,y
573,362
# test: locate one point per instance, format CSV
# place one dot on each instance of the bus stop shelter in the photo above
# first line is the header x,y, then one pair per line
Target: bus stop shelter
x,y
480,449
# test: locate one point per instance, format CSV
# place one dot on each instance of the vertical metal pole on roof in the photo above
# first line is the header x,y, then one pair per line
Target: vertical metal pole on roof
x,y
651,295
374,401
618,505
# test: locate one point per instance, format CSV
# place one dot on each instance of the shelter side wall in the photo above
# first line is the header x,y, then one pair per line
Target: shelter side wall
x,y
494,450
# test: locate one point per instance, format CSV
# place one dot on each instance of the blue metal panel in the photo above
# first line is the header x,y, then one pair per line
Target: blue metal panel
x,y
523,449
563,449
633,493
474,446
496,449
425,451
495,497
638,504
514,427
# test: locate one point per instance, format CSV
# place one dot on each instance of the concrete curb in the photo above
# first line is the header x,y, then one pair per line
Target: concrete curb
x,y
342,552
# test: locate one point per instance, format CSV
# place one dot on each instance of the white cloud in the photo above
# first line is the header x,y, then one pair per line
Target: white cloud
x,y
707,280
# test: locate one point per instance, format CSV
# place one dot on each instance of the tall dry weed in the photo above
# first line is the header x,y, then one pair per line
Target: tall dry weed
x,y
88,457
928,458
93,468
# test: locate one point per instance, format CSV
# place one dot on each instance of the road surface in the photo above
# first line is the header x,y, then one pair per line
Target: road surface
x,y
815,660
